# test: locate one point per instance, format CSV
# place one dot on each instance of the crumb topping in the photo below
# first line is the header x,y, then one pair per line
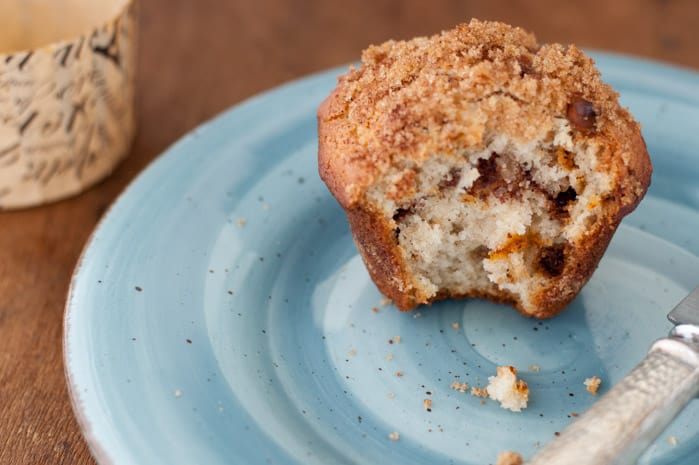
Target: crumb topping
x,y
411,99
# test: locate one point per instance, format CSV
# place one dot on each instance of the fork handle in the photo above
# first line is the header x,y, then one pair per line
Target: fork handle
x,y
625,421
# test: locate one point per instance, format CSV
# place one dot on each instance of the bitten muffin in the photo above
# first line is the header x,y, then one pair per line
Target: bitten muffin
x,y
478,163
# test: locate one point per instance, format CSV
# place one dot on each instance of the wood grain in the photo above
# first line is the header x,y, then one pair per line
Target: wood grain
x,y
196,59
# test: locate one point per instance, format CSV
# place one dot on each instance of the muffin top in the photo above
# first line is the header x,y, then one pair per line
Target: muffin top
x,y
439,95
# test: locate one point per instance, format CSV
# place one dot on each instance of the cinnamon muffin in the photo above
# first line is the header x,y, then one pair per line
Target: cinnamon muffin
x,y
478,163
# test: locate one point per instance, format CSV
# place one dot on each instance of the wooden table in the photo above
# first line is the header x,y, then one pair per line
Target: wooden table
x,y
195,61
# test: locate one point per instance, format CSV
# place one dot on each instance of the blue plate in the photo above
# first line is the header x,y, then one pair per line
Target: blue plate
x,y
221,315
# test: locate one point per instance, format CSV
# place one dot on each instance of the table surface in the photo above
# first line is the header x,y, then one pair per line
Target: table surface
x,y
197,59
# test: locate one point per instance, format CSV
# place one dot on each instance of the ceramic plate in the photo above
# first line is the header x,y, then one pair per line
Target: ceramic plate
x,y
221,315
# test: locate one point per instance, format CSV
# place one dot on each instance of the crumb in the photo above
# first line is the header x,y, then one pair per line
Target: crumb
x,y
385,301
512,393
389,356
391,395
672,440
427,405
455,325
397,339
399,374
242,221
178,393
417,315
592,384
509,458
574,414
394,436
390,341
479,392
375,309
461,387
352,353
535,368
483,402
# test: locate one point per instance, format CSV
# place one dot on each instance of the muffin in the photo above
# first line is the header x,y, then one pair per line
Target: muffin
x,y
478,163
